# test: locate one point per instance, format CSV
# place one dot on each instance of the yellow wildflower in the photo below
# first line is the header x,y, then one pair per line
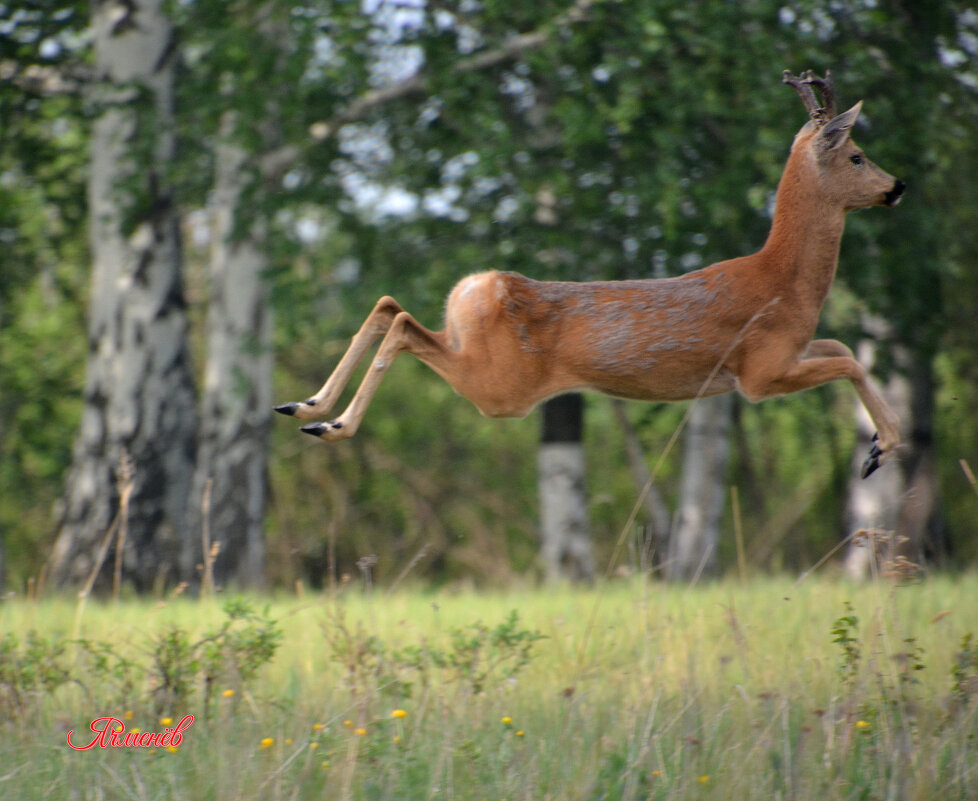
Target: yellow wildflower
x,y
313,746
398,713
862,725
318,726
267,742
228,693
519,733
172,749
361,732
127,715
703,779
507,721
348,724
166,721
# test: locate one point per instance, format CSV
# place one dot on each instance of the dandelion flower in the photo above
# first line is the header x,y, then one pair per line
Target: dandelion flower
x,y
703,779
325,764
398,713
135,730
318,726
862,725
228,693
288,741
172,749
519,733
348,724
507,721
127,715
267,742
656,774
361,732
166,721
313,746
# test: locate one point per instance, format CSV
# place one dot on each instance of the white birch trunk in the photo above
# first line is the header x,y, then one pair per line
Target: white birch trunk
x,y
236,402
139,392
703,490
565,538
875,502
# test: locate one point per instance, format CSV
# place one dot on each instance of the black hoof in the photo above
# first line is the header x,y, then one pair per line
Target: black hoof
x,y
318,429
869,466
873,460
287,408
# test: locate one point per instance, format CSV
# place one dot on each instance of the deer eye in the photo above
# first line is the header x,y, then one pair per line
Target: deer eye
x,y
856,158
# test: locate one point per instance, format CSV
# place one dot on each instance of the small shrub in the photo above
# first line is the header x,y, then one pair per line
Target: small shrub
x,y
230,656
29,672
845,635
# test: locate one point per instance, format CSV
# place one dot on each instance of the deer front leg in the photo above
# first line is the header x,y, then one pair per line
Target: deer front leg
x,y
879,410
377,324
404,334
827,360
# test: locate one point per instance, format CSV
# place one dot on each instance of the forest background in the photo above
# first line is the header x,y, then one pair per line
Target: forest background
x,y
200,201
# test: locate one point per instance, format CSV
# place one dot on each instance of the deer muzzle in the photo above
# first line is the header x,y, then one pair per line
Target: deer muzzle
x,y
892,197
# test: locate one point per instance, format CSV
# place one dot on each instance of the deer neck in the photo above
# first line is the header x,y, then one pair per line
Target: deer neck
x,y
803,245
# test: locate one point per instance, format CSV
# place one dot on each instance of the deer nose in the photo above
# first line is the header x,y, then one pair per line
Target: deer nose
x,y
892,197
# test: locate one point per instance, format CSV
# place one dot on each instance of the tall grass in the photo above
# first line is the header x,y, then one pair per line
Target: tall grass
x,y
764,690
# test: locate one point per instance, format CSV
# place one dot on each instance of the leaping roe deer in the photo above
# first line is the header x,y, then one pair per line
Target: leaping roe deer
x,y
745,324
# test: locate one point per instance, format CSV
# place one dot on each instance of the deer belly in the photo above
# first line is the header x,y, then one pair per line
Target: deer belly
x,y
661,375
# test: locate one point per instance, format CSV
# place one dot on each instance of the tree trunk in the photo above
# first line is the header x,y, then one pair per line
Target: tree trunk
x,y
139,393
703,490
900,499
230,481
920,521
564,526
874,502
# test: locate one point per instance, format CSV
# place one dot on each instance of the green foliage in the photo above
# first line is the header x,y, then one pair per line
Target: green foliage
x,y
109,674
479,655
964,670
475,657
228,657
845,635
43,240
30,671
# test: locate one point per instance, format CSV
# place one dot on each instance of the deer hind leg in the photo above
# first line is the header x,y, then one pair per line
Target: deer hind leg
x,y
827,360
405,334
377,324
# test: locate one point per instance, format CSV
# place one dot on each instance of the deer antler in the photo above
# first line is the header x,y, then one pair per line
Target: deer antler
x,y
826,89
803,84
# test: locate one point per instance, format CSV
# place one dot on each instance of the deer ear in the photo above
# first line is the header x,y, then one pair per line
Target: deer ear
x,y
836,131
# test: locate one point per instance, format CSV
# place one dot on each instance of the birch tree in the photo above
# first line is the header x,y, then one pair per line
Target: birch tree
x,y
228,497
565,537
247,60
695,533
139,396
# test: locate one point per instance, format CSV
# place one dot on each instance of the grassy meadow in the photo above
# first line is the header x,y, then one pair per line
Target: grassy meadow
x,y
771,689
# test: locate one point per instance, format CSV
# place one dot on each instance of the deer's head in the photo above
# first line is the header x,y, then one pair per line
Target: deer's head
x,y
842,172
